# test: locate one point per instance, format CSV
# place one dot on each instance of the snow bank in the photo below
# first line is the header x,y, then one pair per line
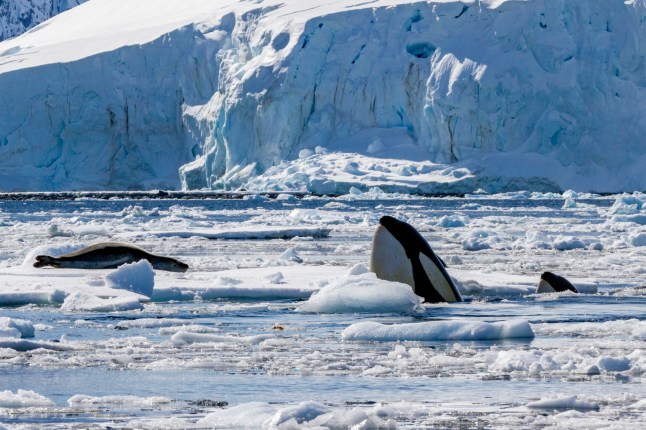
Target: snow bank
x,y
563,402
438,331
138,277
81,301
11,327
309,414
363,293
23,399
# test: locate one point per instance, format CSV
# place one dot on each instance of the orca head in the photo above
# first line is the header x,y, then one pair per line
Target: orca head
x,y
551,283
401,254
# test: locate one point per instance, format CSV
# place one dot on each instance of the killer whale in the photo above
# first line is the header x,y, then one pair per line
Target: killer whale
x,y
400,253
551,283
109,255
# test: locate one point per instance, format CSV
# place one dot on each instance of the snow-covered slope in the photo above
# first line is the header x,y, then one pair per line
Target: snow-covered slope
x,y
18,16
456,96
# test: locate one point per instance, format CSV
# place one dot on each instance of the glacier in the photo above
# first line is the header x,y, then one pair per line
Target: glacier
x,y
18,16
436,97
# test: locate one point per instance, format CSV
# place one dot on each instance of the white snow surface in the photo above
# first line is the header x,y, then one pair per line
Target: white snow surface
x,y
496,95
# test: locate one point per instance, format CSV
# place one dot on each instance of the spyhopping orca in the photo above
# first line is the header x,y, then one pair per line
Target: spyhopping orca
x,y
109,255
551,283
400,253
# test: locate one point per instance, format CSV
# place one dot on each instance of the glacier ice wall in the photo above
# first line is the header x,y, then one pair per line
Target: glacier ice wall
x,y
499,87
557,78
18,16
111,121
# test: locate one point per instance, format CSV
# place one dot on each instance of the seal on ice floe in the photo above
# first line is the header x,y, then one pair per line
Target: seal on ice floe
x,y
109,255
551,283
401,254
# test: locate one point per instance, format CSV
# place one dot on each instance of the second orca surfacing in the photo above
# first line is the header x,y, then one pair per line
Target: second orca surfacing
x,y
400,253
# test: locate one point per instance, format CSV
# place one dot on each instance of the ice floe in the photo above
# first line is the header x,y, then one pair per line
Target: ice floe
x,y
438,331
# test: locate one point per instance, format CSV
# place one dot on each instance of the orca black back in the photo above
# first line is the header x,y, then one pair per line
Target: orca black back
x,y
558,283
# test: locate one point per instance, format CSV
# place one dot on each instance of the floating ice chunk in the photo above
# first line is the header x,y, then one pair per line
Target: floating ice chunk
x,y
627,204
152,322
304,153
451,221
322,186
54,231
569,203
11,327
565,402
29,345
81,301
309,414
565,243
81,399
438,331
302,413
138,277
191,328
23,399
286,197
614,364
637,238
245,416
184,338
290,255
363,293
275,278
353,168
376,146
255,197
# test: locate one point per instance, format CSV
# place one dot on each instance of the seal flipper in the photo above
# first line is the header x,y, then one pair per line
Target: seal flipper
x,y
46,260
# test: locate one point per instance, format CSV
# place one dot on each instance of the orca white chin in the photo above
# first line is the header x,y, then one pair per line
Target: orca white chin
x,y
544,287
388,259
401,254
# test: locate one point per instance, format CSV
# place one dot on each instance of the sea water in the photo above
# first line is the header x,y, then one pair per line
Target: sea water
x,y
267,364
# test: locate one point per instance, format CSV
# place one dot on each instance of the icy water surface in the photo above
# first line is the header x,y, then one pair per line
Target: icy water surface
x,y
263,364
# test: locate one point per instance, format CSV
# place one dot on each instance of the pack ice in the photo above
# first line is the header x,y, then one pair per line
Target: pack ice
x,y
439,96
